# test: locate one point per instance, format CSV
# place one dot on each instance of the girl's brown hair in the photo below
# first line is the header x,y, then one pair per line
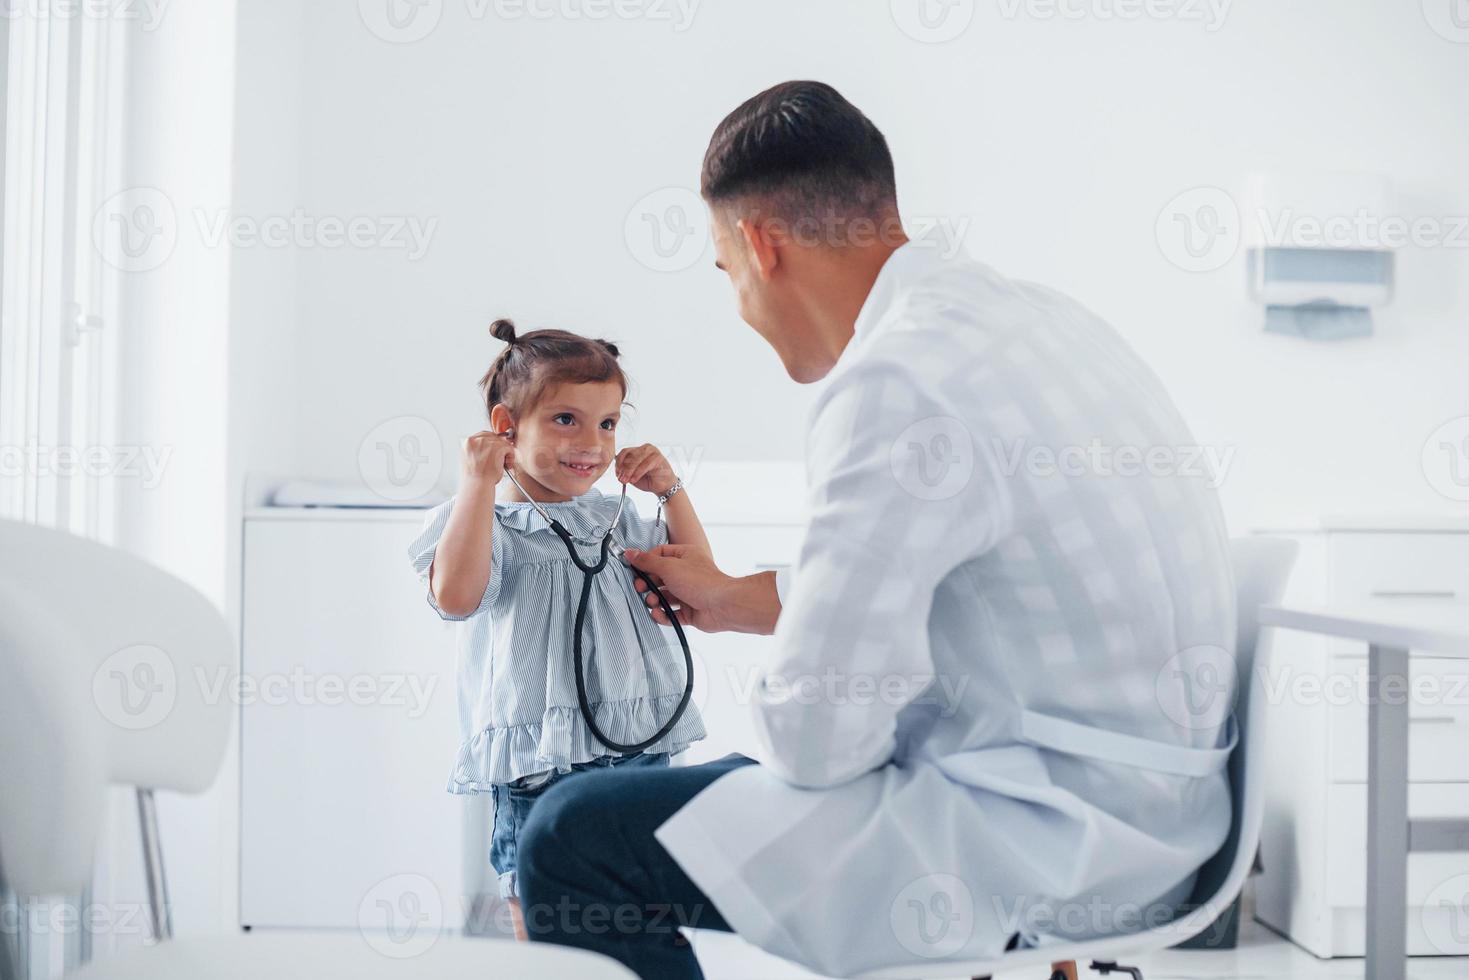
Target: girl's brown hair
x,y
534,362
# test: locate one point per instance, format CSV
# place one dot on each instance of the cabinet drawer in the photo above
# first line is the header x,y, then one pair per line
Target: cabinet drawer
x,y
1438,736
1400,567
742,549
1410,567
1397,568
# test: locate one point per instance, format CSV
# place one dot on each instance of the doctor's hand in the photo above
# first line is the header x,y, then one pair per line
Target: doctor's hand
x,y
701,595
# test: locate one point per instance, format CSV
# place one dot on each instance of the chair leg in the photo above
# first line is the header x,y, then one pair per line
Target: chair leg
x,y
153,866
1063,970
1105,967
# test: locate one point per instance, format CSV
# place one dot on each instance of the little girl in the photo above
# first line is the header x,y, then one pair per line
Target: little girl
x,y
554,401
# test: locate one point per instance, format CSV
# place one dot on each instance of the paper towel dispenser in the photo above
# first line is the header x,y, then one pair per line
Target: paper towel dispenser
x,y
1316,257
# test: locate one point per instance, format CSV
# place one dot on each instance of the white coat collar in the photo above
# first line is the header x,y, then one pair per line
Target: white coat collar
x,y
909,263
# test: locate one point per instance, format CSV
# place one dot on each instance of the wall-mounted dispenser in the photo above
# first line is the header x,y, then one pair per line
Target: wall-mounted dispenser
x,y
1318,259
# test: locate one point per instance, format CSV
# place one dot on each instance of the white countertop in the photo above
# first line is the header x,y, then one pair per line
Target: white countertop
x,y
1447,522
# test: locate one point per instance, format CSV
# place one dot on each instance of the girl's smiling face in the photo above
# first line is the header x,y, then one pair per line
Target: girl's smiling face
x,y
566,441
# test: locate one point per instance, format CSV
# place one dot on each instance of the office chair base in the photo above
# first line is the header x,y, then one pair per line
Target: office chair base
x,y
1064,970
1105,967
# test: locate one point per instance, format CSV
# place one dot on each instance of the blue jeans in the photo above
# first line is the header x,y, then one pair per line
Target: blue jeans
x,y
513,805
593,876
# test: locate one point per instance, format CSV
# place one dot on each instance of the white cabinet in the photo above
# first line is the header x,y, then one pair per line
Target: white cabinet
x,y
1313,848
347,724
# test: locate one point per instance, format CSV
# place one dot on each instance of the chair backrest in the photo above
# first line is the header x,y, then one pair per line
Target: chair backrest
x,y
1261,567
113,672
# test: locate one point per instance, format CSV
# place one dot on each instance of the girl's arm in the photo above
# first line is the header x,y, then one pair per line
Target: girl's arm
x,y
646,468
684,526
460,572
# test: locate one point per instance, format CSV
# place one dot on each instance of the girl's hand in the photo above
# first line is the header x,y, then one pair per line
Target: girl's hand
x,y
486,454
645,468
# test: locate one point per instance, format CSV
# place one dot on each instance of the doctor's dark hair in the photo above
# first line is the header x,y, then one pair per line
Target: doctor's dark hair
x,y
801,150
531,363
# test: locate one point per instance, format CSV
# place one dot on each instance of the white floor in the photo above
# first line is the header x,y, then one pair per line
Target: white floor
x,y
1262,955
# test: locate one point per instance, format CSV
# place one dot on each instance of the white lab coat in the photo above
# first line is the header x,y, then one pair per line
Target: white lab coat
x,y
1001,691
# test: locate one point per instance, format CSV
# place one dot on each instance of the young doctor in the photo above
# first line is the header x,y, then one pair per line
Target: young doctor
x,y
977,728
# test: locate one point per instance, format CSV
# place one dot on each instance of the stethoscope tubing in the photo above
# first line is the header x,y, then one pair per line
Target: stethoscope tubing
x,y
590,572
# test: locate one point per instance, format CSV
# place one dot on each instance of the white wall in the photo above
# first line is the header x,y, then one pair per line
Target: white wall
x,y
1058,142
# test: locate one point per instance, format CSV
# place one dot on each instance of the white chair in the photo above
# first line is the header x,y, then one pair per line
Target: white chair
x,y
109,674
1261,567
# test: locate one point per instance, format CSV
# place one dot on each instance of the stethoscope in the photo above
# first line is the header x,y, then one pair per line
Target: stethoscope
x,y
589,572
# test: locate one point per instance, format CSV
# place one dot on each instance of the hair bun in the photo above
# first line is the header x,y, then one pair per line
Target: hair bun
x,y
503,330
611,347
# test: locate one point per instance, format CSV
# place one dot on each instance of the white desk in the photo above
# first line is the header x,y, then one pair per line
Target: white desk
x,y
1391,631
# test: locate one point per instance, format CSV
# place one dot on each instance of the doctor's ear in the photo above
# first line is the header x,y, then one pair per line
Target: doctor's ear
x,y
762,241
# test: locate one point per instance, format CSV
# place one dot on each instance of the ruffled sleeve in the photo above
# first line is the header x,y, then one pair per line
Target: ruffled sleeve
x,y
426,544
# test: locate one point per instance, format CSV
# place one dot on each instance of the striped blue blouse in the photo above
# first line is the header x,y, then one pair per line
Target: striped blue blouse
x,y
518,712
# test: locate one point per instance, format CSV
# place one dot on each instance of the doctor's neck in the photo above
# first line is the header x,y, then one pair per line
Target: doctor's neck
x,y
833,284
